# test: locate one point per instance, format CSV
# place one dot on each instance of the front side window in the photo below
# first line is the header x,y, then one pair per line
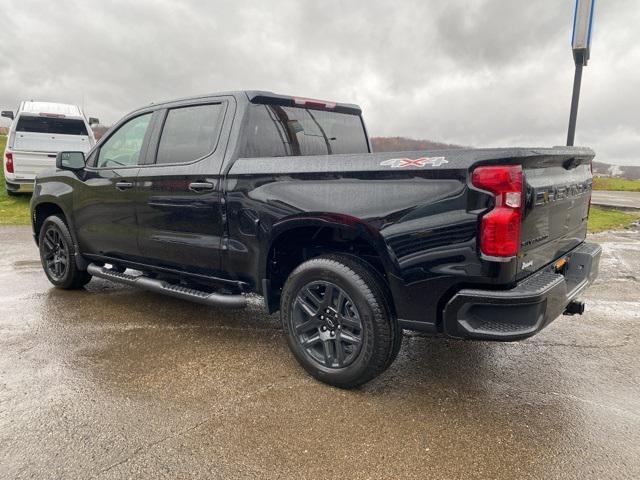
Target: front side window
x,y
123,147
51,125
189,133
275,131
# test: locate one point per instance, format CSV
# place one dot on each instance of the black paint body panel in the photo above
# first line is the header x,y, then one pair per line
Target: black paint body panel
x,y
420,220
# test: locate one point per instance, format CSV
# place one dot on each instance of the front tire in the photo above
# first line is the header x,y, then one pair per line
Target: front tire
x,y
57,254
338,321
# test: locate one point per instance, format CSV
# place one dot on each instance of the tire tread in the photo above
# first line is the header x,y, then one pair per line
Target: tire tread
x,y
77,278
388,335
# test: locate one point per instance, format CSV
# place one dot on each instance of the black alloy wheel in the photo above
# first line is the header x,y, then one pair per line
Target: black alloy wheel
x,y
327,324
338,318
58,255
55,253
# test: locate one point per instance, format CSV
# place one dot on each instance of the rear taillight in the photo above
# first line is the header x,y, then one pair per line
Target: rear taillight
x,y
500,227
8,161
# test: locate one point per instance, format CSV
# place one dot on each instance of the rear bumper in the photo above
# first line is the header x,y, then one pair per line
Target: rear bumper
x,y
528,307
20,186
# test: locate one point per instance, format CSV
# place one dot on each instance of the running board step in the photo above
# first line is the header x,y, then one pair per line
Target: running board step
x,y
178,291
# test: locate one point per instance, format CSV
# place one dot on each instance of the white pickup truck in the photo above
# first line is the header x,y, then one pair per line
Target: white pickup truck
x,y
39,131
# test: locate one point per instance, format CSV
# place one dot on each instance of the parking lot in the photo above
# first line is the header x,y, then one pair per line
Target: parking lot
x,y
114,382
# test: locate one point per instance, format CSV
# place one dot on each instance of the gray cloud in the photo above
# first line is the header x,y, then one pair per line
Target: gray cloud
x,y
483,73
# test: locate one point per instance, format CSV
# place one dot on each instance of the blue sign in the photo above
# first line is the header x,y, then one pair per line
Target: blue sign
x,y
582,27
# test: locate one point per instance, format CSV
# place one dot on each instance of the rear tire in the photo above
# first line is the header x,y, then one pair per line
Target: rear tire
x,y
337,318
57,254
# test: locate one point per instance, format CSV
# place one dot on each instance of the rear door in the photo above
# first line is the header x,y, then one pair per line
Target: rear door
x,y
37,139
104,203
180,210
558,193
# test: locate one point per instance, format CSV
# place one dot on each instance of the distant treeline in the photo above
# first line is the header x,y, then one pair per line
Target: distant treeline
x,y
403,144
99,131
621,171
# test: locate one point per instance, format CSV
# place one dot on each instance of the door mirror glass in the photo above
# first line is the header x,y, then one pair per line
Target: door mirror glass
x,y
7,113
70,161
94,121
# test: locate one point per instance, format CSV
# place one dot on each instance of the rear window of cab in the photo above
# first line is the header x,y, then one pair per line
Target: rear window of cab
x,y
279,131
52,125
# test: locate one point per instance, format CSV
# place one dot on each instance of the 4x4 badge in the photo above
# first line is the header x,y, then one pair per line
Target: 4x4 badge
x,y
414,162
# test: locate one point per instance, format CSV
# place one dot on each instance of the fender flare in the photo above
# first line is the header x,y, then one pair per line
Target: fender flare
x,y
50,199
343,222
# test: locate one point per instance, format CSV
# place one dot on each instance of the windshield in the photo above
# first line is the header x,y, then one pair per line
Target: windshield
x,y
60,126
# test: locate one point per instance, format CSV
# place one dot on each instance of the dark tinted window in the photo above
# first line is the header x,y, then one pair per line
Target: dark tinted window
x,y
189,133
275,131
59,126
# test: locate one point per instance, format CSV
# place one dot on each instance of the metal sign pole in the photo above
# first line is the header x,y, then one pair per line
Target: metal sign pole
x,y
581,44
573,115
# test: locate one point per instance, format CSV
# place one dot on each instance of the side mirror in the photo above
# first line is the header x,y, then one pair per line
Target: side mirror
x,y
73,161
93,121
7,113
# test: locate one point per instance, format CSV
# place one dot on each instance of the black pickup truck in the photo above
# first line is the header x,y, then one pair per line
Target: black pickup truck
x,y
212,198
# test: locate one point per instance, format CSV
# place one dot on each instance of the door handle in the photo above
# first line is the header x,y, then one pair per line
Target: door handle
x,y
200,186
124,185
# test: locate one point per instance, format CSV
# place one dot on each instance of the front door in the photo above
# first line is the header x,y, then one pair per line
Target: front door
x,y
105,203
180,210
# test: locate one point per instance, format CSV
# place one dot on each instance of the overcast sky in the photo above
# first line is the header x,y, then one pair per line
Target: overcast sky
x,y
478,73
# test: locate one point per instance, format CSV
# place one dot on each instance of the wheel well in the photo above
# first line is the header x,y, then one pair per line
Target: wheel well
x,y
42,211
300,244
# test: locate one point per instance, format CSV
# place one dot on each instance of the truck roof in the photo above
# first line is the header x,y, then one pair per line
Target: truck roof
x,y
65,109
260,96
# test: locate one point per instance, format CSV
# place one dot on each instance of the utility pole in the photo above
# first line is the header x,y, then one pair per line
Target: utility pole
x,y
581,44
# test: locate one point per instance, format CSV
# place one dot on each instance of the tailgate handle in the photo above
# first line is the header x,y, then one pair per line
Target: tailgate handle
x,y
124,185
200,186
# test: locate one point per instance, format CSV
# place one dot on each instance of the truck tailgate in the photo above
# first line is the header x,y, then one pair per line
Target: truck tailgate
x,y
50,142
26,165
34,151
557,198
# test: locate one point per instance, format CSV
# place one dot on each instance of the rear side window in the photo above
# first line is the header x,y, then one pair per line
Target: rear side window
x,y
58,126
275,131
189,133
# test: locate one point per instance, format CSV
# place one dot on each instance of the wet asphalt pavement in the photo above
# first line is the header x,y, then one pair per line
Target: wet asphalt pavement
x,y
115,382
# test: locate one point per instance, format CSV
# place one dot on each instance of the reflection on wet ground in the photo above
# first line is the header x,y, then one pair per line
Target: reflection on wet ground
x,y
117,382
